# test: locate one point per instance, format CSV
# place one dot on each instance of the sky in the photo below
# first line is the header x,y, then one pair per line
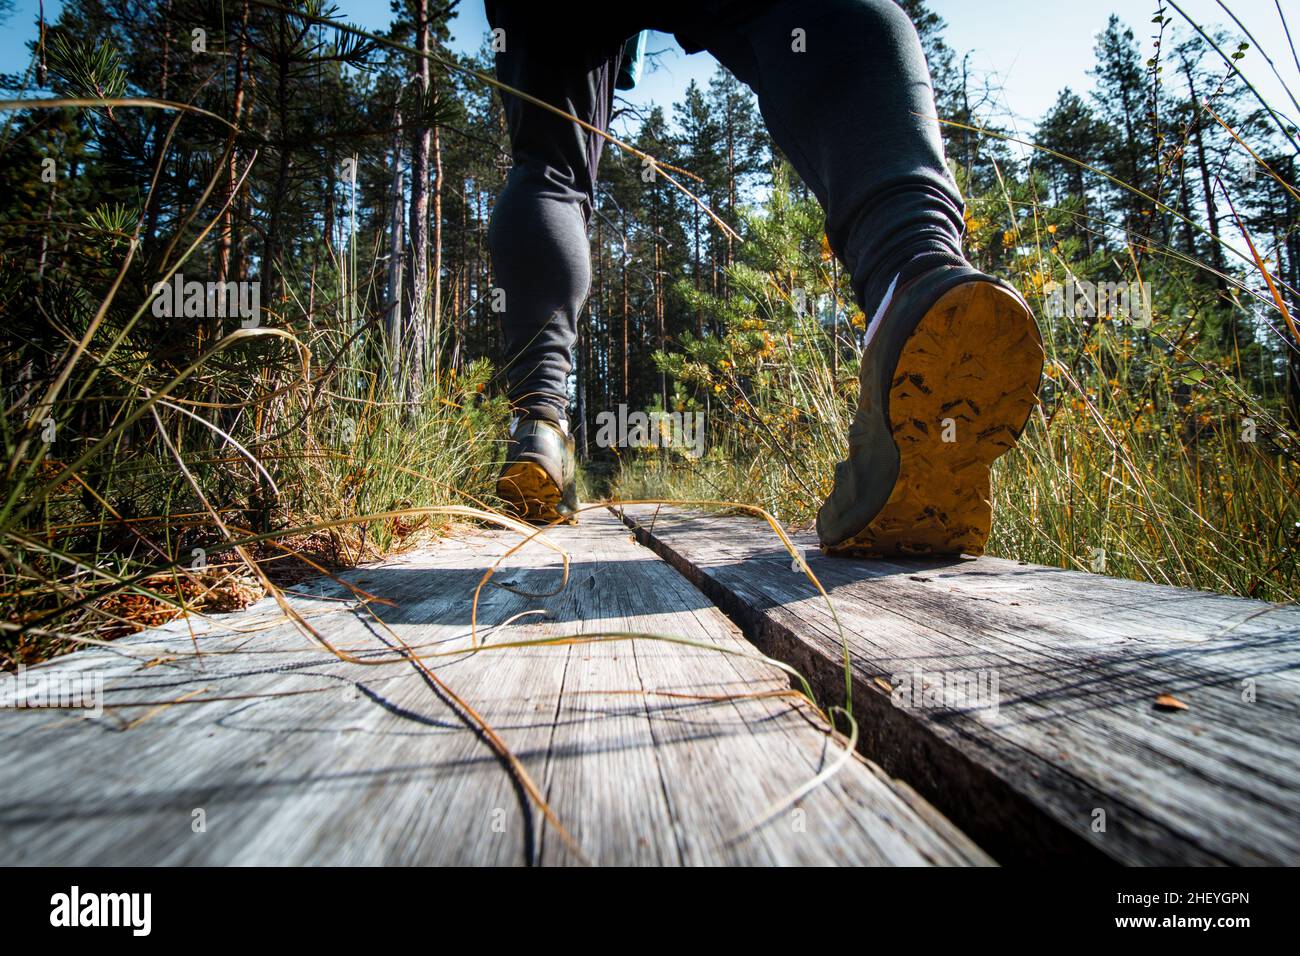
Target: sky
x,y
1030,49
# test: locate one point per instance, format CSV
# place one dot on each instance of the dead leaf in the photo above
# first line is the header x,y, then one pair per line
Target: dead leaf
x,y
1169,702
881,682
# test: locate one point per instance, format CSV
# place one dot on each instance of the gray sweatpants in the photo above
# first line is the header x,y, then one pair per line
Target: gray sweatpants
x,y
841,84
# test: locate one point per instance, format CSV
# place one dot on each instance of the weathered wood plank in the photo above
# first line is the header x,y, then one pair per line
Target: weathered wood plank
x,y
295,756
1079,661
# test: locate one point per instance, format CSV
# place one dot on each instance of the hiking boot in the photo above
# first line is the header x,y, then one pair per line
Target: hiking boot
x,y
539,478
949,376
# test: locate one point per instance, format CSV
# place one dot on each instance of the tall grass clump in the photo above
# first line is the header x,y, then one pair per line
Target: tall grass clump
x,y
150,469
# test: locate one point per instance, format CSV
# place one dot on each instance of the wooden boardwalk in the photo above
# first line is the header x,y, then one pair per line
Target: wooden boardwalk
x,y
263,748
238,739
1084,755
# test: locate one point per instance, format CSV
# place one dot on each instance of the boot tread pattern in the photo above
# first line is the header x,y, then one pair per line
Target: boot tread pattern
x,y
969,373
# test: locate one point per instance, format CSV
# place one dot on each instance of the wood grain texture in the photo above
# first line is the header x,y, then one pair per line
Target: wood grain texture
x,y
1075,737
297,757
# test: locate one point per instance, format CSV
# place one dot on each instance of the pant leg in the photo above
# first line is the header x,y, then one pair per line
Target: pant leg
x,y
854,112
541,258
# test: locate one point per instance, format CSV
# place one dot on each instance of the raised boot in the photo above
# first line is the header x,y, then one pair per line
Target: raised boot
x,y
950,373
539,479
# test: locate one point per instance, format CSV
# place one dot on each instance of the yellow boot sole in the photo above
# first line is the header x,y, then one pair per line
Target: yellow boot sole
x,y
531,494
962,391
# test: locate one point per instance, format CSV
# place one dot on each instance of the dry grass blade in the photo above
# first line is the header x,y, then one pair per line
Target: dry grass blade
x,y
1263,270
143,102
845,756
